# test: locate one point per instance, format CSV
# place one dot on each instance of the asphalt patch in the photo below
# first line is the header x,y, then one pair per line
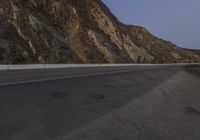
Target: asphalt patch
x,y
98,96
58,94
191,110
193,69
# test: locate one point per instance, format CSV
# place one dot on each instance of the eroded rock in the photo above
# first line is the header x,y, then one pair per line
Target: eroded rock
x,y
77,31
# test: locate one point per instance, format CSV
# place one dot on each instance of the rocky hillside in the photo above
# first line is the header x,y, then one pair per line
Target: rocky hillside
x,y
77,31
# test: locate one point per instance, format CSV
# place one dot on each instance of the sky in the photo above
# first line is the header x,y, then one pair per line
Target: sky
x,y
177,21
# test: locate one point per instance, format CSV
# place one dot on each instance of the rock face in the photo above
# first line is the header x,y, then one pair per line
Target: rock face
x,y
77,31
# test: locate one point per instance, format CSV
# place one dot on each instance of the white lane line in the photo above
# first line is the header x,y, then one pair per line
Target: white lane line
x,y
70,77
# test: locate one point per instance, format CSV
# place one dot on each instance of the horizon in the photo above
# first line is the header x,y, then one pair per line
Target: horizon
x,y
178,25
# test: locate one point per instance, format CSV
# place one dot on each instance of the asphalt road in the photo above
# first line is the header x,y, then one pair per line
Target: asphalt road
x,y
109,103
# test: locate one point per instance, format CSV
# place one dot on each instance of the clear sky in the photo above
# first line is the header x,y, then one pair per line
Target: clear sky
x,y
174,20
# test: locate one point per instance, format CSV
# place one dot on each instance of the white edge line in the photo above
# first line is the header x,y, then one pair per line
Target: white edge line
x,y
57,66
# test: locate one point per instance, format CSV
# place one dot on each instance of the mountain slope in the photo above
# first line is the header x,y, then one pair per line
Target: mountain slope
x,y
77,31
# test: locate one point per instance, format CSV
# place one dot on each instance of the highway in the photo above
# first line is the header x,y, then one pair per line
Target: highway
x,y
102,103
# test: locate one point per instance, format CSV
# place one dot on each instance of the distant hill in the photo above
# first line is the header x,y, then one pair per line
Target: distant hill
x,y
77,31
194,51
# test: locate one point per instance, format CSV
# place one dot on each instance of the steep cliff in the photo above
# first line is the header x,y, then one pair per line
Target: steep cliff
x,y
77,31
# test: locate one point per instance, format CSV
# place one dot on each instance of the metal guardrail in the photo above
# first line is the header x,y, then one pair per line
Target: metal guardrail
x,y
54,66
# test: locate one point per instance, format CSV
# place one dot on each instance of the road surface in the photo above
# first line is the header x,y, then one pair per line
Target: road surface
x,y
108,103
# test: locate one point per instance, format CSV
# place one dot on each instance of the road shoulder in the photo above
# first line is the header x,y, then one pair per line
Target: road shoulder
x,y
171,111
